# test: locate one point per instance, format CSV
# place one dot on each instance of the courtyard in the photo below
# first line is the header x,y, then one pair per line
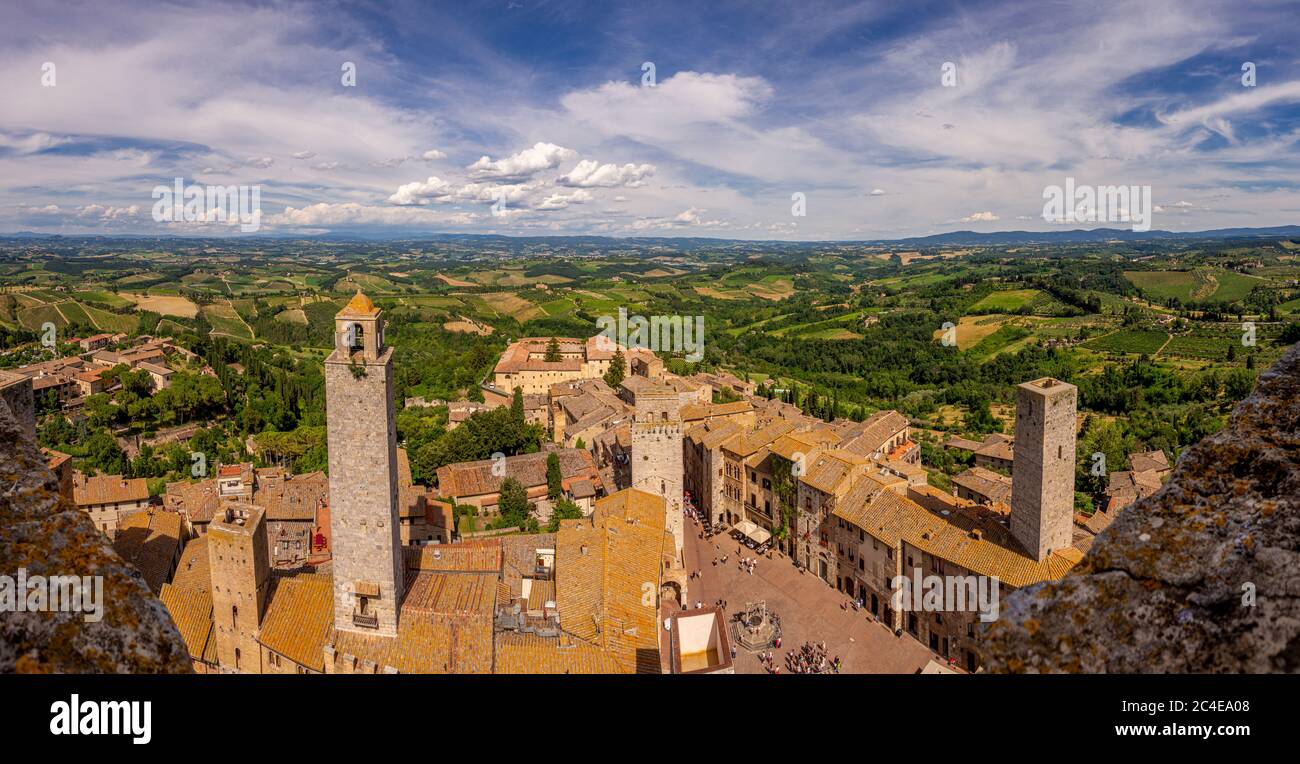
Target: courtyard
x,y
810,610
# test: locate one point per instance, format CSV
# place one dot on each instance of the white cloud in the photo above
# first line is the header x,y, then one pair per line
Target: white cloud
x,y
259,162
561,201
304,154
589,174
433,155
108,212
421,192
524,164
979,217
351,213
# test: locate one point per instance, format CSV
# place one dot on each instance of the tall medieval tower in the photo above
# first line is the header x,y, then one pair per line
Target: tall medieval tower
x,y
362,438
1042,474
657,451
239,561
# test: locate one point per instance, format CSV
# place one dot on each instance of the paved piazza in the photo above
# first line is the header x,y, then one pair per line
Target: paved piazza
x,y
810,610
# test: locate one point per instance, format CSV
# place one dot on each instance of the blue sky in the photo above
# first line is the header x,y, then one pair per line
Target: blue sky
x,y
542,105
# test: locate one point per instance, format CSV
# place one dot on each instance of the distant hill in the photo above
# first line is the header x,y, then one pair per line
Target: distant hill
x,y
579,242
1081,236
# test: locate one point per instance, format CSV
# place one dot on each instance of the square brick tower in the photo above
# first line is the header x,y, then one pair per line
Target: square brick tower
x,y
657,451
1042,475
362,438
241,575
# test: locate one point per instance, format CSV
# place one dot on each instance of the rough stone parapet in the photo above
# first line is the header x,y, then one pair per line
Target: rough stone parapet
x,y
45,535
1169,586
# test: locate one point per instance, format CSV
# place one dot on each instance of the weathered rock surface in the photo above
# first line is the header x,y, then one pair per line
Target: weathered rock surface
x,y
1165,588
46,536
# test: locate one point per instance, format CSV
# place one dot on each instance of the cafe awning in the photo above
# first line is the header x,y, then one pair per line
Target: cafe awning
x,y
752,532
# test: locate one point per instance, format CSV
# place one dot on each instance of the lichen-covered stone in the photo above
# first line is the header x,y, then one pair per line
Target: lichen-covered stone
x,y
46,536
1203,576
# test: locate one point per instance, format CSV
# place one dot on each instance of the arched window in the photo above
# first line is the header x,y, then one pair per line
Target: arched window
x,y
358,334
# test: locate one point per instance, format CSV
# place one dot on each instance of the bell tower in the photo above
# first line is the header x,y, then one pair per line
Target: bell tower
x,y
362,439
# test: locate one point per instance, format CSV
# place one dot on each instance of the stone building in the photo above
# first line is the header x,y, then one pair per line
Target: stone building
x,y
478,483
292,504
362,438
702,466
880,535
982,485
1042,487
109,499
523,364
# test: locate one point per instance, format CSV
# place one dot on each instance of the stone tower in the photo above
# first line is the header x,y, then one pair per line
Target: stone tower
x,y
241,574
657,451
1042,475
362,438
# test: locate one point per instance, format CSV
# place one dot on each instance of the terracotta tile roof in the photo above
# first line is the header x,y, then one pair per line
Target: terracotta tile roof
x,y
604,566
540,592
1148,461
54,459
149,541
694,411
477,478
519,556
995,487
299,616
712,434
195,501
1142,484
110,489
425,644
520,653
191,611
450,594
528,354
581,488
792,444
981,546
997,449
744,444
359,305
1099,521
292,497
193,572
829,471
872,433
466,557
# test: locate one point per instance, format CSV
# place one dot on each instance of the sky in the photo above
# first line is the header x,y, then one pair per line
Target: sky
x,y
748,120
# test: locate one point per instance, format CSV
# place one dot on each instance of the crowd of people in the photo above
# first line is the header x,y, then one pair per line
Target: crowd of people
x,y
811,658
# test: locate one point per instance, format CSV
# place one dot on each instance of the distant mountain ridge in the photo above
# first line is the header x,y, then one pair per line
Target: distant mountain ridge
x,y
952,238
